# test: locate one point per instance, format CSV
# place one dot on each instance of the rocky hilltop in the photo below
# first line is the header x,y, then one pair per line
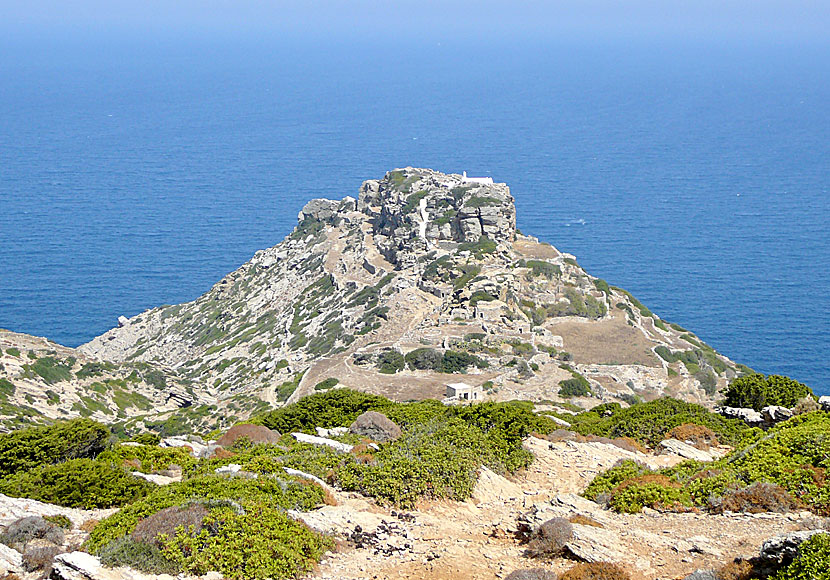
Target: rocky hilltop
x,y
420,282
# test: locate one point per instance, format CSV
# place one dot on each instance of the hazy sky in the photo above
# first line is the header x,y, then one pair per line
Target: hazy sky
x,y
785,19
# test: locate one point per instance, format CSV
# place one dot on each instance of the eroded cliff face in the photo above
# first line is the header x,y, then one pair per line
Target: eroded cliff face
x,y
424,264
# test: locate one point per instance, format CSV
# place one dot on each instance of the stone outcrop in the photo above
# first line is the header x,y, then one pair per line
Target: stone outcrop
x,y
376,426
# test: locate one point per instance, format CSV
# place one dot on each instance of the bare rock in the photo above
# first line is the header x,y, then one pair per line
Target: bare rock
x,y
336,445
10,560
748,416
824,402
681,449
375,426
702,575
784,547
776,414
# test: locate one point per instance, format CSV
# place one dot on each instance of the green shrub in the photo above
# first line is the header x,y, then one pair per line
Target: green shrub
x,y
649,422
50,369
611,478
484,245
390,362
326,384
423,359
12,351
28,448
6,388
77,483
757,391
335,408
149,458
147,439
262,542
654,491
455,361
285,492
142,556
812,562
546,269
438,459
59,520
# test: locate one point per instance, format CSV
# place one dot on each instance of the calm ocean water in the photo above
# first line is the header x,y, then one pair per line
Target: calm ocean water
x,y
696,176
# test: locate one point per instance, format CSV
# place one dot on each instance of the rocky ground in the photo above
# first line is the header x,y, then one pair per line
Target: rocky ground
x,y
480,538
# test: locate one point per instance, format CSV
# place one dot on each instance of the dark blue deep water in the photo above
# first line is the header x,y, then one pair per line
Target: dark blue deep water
x,y
138,172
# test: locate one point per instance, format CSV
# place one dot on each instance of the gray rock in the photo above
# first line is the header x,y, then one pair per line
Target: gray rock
x,y
784,547
824,402
702,575
321,209
123,321
776,414
312,439
10,560
748,416
375,426
681,449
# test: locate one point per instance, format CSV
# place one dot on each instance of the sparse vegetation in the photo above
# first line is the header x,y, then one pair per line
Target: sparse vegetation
x,y
757,391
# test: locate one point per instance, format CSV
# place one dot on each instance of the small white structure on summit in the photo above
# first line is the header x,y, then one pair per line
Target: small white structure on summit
x,y
463,392
484,180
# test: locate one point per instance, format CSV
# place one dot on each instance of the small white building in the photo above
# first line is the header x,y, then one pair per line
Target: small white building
x,y
464,392
483,180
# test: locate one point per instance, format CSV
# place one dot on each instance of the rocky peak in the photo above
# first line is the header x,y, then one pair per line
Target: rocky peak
x,y
419,210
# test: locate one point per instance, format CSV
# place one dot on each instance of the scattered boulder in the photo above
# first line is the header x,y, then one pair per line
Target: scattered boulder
x,y
123,321
336,445
702,575
784,547
10,559
776,414
254,433
375,426
824,402
681,449
749,416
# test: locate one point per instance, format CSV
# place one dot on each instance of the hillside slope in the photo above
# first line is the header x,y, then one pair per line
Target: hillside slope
x,y
428,262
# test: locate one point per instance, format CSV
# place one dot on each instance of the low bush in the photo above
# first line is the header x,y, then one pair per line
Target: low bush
x,y
736,570
141,556
606,481
652,490
59,520
22,531
695,435
423,359
286,492
649,422
390,361
51,370
146,458
77,483
326,384
261,542
596,571
36,446
549,539
40,558
758,391
165,523
574,388
757,498
812,562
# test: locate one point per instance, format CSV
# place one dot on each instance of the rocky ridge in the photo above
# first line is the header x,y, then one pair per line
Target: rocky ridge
x,y
420,260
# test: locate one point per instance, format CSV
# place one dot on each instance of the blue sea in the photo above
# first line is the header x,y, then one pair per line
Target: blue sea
x,y
138,171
